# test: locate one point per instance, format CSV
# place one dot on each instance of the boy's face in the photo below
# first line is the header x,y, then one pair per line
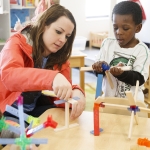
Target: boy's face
x,y
125,29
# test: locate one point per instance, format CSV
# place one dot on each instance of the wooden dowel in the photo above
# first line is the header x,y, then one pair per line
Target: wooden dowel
x,y
131,125
109,79
116,106
136,90
144,109
132,103
86,69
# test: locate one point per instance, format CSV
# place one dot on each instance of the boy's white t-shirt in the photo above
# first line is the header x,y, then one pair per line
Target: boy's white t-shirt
x,y
138,57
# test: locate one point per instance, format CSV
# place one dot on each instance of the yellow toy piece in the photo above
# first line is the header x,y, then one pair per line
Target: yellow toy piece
x,y
49,93
36,121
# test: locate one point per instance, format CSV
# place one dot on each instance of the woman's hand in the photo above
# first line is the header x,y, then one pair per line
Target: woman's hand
x,y
78,108
62,87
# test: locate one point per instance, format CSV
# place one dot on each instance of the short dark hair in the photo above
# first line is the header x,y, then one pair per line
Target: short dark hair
x,y
129,8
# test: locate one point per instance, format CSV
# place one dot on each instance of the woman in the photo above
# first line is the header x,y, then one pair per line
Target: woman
x,y
36,59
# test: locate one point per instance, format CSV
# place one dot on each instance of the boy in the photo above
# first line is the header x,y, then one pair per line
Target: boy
x,y
124,50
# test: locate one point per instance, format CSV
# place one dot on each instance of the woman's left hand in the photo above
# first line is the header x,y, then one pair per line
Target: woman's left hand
x,y
78,107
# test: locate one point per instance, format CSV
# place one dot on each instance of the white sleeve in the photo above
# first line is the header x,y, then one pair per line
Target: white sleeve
x,y
142,62
102,53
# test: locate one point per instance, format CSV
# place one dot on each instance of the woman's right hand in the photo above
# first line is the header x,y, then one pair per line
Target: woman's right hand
x,y
62,87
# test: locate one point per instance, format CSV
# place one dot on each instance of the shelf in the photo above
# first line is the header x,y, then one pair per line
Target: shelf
x,y
4,12
2,43
21,7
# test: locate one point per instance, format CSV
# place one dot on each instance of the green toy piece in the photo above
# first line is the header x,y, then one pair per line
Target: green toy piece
x,y
23,142
3,124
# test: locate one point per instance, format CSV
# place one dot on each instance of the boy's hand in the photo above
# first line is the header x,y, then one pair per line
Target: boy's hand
x,y
116,71
97,66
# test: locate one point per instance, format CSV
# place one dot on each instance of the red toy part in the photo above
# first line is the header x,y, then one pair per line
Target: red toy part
x,y
96,119
50,122
143,142
28,135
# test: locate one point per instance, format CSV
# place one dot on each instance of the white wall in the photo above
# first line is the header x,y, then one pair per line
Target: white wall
x,y
84,27
144,34
77,7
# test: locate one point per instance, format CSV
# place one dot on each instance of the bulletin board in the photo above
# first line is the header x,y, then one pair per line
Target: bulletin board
x,y
21,13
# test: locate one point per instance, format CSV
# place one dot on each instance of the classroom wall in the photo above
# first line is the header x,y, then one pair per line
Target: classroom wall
x,y
144,34
84,27
77,7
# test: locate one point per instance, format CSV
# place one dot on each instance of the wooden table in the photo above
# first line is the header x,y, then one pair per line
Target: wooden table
x,y
114,136
77,60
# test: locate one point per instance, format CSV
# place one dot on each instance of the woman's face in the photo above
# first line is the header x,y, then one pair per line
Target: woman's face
x,y
56,34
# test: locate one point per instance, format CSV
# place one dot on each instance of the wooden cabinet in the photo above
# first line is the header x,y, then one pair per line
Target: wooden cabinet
x,y
96,38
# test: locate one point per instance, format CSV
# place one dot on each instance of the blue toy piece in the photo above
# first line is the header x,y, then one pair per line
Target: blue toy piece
x,y
99,85
100,130
134,108
105,67
99,80
97,130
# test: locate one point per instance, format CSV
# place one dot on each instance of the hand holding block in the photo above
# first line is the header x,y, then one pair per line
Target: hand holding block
x,y
51,93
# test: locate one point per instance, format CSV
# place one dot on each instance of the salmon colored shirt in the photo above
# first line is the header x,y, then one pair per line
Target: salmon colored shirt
x,y
17,72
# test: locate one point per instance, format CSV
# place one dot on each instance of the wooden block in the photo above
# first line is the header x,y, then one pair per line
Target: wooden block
x,y
125,68
86,69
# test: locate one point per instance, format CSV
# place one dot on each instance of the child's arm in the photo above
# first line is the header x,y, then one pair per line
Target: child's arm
x,y
129,77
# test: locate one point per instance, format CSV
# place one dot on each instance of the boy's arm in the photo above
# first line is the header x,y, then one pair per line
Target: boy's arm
x,y
140,67
130,77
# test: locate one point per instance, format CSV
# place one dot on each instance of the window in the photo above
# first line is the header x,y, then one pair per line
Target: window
x,y
97,8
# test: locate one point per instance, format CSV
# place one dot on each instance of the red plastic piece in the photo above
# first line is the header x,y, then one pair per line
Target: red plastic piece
x,y
50,122
143,142
96,119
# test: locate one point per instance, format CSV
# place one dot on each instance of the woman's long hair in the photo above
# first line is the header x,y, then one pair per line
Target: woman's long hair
x,y
36,33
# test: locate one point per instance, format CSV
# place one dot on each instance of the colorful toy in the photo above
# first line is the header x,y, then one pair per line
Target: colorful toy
x,y
98,93
27,118
49,123
133,108
67,103
142,144
23,140
106,69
